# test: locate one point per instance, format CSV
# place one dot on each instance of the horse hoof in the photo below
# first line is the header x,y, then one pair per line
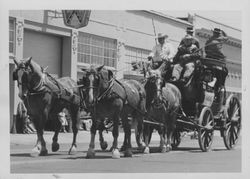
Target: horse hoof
x,y
128,153
141,147
163,149
43,152
104,145
146,150
55,146
115,154
90,153
168,148
35,152
72,150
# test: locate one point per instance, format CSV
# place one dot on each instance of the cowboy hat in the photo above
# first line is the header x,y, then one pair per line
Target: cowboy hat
x,y
161,35
216,30
190,29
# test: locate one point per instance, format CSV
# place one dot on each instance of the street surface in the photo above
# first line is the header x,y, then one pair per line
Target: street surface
x,y
187,158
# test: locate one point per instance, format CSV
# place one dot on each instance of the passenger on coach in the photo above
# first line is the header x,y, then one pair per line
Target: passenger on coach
x,y
188,51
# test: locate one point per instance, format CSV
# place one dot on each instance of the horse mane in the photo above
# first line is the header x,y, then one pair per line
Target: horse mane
x,y
36,68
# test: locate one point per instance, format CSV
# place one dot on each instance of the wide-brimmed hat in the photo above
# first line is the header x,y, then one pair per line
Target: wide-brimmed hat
x,y
216,30
190,29
188,36
161,35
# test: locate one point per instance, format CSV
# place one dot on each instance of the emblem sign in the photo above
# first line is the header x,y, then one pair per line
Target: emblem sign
x,y
76,18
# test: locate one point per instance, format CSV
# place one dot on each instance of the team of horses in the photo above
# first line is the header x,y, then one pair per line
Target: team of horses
x,y
104,97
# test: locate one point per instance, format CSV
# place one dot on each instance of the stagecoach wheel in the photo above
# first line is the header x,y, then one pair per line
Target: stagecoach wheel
x,y
176,139
205,135
233,122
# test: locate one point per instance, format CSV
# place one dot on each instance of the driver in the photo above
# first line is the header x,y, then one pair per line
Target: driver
x,y
187,51
162,54
163,51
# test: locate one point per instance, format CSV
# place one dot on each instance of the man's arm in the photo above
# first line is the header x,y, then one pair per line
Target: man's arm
x,y
152,53
224,36
168,52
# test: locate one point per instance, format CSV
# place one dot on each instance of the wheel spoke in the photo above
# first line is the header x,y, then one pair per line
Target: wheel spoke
x,y
234,133
232,137
206,143
203,133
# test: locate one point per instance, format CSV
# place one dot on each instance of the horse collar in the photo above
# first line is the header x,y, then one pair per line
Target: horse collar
x,y
106,92
38,87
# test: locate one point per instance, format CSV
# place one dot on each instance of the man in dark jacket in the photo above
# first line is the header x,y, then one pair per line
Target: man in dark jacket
x,y
213,47
213,50
187,51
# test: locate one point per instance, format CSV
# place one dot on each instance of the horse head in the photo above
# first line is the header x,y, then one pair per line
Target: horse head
x,y
27,75
154,85
96,81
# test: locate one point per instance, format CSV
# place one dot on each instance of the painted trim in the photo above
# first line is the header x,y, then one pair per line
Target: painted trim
x,y
168,17
217,22
47,28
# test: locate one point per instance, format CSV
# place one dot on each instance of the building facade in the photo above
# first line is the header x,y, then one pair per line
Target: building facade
x,y
112,38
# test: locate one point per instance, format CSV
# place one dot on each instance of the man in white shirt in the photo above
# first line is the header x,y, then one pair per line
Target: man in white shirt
x,y
162,53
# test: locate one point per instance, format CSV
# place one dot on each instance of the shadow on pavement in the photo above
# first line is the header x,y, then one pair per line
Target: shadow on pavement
x,y
28,155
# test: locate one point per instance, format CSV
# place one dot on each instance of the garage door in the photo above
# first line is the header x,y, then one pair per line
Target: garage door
x,y
45,49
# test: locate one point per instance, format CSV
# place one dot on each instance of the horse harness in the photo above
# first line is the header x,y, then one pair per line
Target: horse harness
x,y
43,87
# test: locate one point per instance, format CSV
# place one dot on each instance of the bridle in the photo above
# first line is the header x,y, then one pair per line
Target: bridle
x,y
159,101
31,89
105,93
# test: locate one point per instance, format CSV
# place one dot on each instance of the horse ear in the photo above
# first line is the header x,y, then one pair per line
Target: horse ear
x,y
98,69
28,61
110,74
15,61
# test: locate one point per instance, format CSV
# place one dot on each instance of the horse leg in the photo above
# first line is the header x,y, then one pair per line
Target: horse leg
x,y
115,132
127,131
40,147
139,133
75,123
170,130
91,150
124,118
55,146
162,140
103,143
146,131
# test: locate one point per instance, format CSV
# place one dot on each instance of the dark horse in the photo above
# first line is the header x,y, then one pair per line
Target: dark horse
x,y
110,98
42,96
163,103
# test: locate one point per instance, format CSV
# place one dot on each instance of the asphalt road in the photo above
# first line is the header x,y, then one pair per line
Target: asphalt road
x,y
187,158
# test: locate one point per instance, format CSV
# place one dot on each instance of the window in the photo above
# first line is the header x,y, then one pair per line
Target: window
x,y
97,50
135,55
11,36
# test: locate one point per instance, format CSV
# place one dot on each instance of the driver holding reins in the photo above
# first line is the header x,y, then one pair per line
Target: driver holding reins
x,y
162,53
188,50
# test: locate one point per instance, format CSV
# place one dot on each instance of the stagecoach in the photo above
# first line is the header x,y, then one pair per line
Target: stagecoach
x,y
209,114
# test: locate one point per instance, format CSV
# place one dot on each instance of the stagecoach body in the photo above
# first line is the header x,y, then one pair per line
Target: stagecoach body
x,y
205,113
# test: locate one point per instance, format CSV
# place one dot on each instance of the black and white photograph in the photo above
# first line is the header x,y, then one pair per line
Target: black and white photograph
x,y
124,91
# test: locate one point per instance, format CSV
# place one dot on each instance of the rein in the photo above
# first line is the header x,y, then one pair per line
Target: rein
x,y
106,92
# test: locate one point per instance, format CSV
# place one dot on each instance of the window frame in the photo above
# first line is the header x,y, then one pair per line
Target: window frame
x,y
94,57
12,54
129,54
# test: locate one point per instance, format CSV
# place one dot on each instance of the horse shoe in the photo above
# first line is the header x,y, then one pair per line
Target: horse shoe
x,y
115,154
